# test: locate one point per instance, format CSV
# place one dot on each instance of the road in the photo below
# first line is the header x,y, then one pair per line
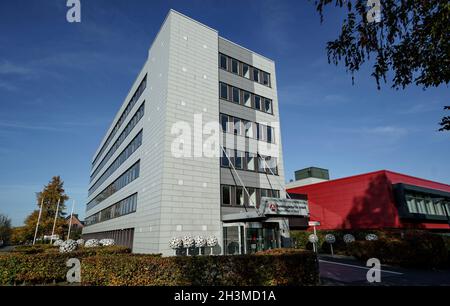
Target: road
x,y
339,270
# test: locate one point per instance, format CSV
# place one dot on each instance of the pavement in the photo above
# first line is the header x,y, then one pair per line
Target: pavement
x,y
343,271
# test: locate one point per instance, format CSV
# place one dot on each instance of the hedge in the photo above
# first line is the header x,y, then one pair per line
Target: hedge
x,y
418,250
44,264
300,239
290,268
79,253
295,268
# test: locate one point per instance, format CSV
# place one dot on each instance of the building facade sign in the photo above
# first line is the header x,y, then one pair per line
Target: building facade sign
x,y
284,207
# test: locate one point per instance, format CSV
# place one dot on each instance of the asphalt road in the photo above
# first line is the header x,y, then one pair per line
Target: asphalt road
x,y
343,271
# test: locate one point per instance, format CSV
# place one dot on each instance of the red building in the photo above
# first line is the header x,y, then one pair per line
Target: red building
x,y
381,199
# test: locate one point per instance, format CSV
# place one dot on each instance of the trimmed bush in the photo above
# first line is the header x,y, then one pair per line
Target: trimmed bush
x,y
41,265
41,268
112,266
35,249
300,240
416,249
292,268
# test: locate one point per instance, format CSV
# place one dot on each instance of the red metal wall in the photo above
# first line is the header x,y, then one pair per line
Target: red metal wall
x,y
363,201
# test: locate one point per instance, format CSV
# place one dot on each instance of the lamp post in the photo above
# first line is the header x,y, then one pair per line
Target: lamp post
x,y
71,215
54,222
39,218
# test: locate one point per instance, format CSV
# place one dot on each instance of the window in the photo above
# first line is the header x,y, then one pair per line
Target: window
x,y
234,66
275,194
421,205
250,163
265,193
224,91
247,99
271,163
240,96
246,71
268,106
430,206
255,75
246,128
262,132
411,202
137,94
225,160
239,195
249,129
224,123
236,195
258,102
223,62
124,155
236,98
266,78
270,134
127,177
252,196
126,131
239,161
238,127
261,164
226,195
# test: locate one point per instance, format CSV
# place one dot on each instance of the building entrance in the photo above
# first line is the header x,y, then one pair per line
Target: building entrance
x,y
249,238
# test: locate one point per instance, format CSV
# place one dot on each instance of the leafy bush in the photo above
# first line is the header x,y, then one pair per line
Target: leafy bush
x,y
33,268
414,249
34,249
79,253
300,239
117,268
292,268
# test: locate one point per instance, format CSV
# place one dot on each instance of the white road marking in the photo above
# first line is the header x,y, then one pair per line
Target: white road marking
x,y
360,267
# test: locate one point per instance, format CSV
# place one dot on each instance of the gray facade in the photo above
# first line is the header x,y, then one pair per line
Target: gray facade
x,y
173,195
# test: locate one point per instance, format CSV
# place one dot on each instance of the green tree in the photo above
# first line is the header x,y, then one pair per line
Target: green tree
x,y
5,228
410,41
50,194
445,122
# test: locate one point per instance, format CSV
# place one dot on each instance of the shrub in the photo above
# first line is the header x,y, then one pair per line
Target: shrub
x,y
38,268
291,268
34,249
415,249
44,264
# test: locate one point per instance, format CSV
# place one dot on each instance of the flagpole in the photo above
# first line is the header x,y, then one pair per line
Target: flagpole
x,y
39,218
71,215
54,222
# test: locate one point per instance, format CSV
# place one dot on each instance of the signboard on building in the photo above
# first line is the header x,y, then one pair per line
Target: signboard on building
x,y
284,207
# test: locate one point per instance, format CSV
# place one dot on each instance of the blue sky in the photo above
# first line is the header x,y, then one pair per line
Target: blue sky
x,y
61,84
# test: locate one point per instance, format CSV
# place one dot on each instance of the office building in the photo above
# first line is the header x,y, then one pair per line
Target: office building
x,y
194,149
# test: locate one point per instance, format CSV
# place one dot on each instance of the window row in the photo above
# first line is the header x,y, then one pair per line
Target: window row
x,y
242,127
425,205
137,94
130,126
121,208
244,70
126,153
249,161
236,195
245,98
127,177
